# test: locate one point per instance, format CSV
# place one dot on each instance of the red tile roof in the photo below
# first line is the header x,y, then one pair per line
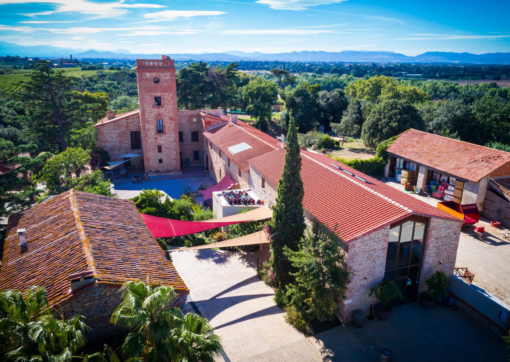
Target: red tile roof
x,y
117,117
231,134
458,158
337,199
77,232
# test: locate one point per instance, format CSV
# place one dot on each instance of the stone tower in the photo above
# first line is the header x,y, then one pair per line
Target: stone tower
x,y
157,99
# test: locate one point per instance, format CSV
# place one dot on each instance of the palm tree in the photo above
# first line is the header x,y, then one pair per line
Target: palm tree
x,y
28,331
160,332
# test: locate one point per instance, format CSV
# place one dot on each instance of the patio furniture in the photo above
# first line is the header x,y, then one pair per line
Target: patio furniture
x,y
123,173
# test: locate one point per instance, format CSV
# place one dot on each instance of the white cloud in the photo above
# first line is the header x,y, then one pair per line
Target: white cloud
x,y
78,37
126,42
296,4
453,37
176,14
156,32
49,22
24,29
275,32
102,10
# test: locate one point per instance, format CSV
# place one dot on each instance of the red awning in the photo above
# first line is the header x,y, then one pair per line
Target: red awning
x,y
161,227
224,184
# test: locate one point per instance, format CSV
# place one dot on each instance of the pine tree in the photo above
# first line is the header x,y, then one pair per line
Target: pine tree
x,y
288,223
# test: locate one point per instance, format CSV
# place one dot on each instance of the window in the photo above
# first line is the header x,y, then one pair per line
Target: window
x,y
404,256
240,173
220,174
156,80
160,149
263,183
194,119
160,160
220,152
196,155
210,145
194,136
159,126
157,101
136,143
228,162
181,137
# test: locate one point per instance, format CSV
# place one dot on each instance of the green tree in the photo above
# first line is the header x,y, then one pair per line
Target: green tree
x,y
390,118
53,108
124,104
85,137
301,105
58,170
455,118
28,331
194,91
321,277
160,332
18,193
288,224
332,106
259,96
93,183
493,117
224,80
279,74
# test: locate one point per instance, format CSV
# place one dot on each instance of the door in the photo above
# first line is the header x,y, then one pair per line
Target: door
x,y
404,258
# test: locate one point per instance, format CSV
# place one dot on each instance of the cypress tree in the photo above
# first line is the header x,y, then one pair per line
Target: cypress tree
x,y
288,223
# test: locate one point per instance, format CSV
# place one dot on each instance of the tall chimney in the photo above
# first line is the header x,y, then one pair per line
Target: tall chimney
x,y
21,236
111,114
233,118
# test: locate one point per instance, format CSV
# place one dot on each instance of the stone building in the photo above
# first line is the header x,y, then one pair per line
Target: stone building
x,y
387,234
465,166
82,247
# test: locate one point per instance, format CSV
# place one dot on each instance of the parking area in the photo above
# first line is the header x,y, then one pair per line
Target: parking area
x,y
486,257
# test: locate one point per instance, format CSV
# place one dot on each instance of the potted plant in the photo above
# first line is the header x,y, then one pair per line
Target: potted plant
x,y
385,292
436,285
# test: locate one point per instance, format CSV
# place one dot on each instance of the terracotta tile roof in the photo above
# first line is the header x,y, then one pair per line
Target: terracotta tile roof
x,y
232,134
76,232
458,158
336,198
117,117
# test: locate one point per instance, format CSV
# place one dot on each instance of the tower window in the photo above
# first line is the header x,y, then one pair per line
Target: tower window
x,y
194,119
181,136
156,80
263,183
228,162
157,101
136,143
160,160
160,149
240,173
196,155
194,136
159,125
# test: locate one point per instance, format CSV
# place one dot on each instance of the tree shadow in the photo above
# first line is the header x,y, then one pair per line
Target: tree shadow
x,y
262,313
216,256
213,307
251,280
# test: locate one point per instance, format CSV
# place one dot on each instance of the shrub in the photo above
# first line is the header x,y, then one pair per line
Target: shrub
x,y
373,166
327,142
386,293
294,317
266,273
436,285
219,236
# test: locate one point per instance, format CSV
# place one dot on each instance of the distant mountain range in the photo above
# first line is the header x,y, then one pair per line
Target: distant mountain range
x,y
230,56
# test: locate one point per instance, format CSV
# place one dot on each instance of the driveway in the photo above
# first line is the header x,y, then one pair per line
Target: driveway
x,y
225,288
414,334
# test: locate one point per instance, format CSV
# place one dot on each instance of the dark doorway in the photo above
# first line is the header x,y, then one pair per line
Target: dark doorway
x,y
406,246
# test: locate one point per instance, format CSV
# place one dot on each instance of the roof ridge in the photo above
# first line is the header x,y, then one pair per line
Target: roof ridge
x,y
87,247
260,139
455,140
360,185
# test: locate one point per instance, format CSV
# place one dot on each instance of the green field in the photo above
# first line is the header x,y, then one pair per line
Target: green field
x,y
8,82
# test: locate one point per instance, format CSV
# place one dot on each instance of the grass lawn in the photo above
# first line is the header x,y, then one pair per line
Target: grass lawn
x,y
353,150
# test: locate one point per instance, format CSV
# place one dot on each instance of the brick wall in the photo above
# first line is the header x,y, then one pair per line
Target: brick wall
x,y
219,166
441,246
474,193
187,125
267,193
366,257
164,70
502,171
114,137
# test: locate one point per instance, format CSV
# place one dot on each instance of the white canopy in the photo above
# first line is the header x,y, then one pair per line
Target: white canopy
x,y
129,155
252,239
112,165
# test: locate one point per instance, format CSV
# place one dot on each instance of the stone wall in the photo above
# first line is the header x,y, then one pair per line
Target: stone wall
x,y
219,166
267,193
366,260
147,71
474,193
440,249
190,121
96,303
114,137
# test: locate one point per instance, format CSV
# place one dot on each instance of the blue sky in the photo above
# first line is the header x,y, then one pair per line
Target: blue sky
x,y
271,26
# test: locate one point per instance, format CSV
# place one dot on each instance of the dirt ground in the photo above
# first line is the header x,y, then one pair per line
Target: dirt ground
x,y
352,150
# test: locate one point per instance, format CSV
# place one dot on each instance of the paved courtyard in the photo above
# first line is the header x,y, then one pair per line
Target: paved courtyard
x,y
225,288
